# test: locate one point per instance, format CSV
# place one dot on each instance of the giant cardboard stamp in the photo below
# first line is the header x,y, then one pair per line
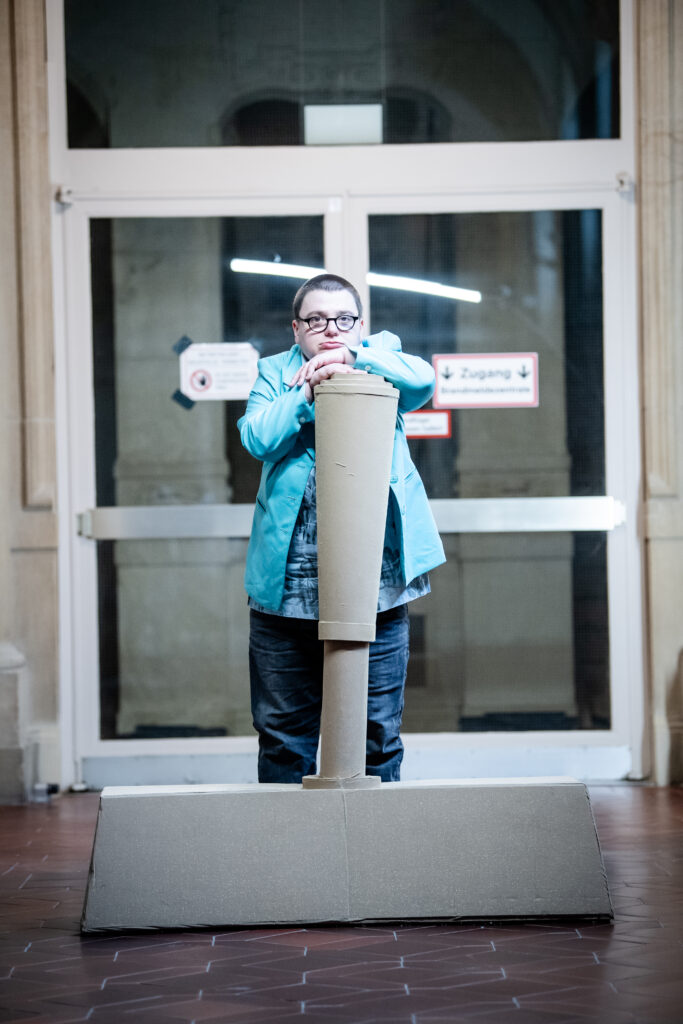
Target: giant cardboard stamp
x,y
342,847
193,856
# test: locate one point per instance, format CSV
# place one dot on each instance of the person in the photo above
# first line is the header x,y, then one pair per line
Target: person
x,y
285,655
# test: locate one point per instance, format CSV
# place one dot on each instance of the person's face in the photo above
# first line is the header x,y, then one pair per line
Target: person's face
x,y
326,304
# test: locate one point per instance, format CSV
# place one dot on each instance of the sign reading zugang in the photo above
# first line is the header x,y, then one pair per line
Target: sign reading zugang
x,y
490,380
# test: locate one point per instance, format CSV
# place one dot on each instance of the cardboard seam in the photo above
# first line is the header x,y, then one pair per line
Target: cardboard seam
x,y
347,885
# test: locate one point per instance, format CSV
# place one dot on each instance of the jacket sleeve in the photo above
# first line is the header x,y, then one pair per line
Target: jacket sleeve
x,y
413,376
273,418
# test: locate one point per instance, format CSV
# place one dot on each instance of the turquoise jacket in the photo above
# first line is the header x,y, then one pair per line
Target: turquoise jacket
x,y
278,429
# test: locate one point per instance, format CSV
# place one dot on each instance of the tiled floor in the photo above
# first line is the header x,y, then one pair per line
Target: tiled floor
x,y
554,973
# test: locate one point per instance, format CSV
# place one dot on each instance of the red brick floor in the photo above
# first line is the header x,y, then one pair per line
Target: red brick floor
x,y
550,973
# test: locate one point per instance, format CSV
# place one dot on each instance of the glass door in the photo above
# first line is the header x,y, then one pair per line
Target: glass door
x,y
182,141
522,640
164,513
519,660
515,635
173,623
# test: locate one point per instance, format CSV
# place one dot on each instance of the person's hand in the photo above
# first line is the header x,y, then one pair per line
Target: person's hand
x,y
323,372
322,366
339,354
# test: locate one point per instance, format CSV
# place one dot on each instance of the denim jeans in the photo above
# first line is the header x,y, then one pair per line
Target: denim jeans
x,y
286,669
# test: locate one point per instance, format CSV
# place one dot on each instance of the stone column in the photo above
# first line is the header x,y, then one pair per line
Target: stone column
x,y
660,84
28,585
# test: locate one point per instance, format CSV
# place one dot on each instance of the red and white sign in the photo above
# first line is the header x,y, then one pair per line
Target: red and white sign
x,y
486,380
428,423
200,380
218,372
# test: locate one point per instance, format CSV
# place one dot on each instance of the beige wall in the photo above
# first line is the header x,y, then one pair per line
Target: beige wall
x,y
660,52
28,579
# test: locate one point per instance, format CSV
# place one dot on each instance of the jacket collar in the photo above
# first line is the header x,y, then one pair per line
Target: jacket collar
x,y
294,359
291,362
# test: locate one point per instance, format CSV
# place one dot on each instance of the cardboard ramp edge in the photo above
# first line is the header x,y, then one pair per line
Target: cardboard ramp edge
x,y
238,855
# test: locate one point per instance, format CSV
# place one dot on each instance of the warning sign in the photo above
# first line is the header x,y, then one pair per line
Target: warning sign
x,y
200,380
492,380
427,423
225,371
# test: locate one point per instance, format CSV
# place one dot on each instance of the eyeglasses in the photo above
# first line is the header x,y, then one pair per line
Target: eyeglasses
x,y
318,324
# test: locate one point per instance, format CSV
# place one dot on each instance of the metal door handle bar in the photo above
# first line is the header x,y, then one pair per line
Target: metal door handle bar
x,y
462,515
527,515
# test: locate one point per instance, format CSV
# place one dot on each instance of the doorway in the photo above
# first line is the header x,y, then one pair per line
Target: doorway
x,y
522,654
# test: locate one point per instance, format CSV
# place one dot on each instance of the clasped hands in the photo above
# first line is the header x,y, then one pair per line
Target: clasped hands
x,y
321,366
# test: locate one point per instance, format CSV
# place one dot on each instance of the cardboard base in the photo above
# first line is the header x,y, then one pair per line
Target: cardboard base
x,y
324,782
193,856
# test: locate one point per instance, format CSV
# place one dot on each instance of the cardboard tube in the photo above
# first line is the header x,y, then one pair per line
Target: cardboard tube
x,y
355,419
344,719
345,710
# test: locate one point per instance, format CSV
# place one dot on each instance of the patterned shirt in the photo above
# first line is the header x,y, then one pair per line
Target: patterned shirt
x,y
300,598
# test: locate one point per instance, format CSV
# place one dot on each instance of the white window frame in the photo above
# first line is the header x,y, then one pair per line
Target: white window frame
x,y
472,177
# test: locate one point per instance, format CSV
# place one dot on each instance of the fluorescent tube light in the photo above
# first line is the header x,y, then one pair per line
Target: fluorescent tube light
x,y
274,269
413,284
405,284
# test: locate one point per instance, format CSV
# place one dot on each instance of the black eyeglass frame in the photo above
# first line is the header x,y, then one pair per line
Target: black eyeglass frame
x,y
328,319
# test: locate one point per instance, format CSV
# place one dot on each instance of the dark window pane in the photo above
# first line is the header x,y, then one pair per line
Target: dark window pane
x,y
514,637
540,277
153,281
240,73
173,611
173,628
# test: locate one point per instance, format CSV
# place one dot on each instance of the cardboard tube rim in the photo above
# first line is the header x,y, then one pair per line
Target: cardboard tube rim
x,y
358,383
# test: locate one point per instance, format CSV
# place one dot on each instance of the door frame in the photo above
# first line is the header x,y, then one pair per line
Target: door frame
x,y
609,753
375,179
